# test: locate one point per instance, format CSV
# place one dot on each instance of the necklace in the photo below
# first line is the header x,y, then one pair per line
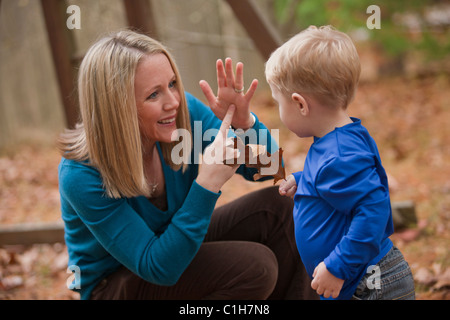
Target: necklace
x,y
152,171
153,187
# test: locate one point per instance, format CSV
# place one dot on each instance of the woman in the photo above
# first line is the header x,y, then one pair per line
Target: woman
x,y
140,223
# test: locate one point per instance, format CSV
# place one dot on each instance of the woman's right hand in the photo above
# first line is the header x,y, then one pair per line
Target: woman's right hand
x,y
213,172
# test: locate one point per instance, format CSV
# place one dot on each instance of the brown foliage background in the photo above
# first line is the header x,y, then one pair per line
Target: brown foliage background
x,y
408,118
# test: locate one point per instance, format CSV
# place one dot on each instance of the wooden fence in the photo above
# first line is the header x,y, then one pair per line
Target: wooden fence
x,y
197,32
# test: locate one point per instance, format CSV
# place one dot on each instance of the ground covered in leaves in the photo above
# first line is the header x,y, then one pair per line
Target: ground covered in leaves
x,y
409,119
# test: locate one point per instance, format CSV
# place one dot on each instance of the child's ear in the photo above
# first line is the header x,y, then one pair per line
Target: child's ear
x,y
301,103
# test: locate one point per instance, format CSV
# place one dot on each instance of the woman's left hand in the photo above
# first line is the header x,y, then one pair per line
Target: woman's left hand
x,y
231,91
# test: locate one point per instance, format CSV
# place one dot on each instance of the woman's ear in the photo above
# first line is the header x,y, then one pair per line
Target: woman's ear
x,y
301,103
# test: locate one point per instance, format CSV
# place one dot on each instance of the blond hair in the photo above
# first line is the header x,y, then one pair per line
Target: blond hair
x,y
321,62
108,135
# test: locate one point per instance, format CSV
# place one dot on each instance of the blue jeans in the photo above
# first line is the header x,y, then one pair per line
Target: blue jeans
x,y
389,279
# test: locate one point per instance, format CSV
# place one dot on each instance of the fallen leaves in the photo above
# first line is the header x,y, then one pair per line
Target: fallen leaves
x,y
37,269
409,120
29,185
436,279
257,156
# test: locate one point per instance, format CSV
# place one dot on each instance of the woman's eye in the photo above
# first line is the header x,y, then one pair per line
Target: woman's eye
x,y
153,95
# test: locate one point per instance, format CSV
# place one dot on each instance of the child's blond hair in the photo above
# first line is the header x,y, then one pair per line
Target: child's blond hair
x,y
319,62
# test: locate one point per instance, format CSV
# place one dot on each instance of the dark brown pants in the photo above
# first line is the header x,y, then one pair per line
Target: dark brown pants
x,y
249,253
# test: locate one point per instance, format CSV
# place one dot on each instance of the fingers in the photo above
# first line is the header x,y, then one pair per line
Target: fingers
x,y
220,150
226,122
239,81
314,285
229,73
231,154
283,188
226,78
288,192
288,187
207,91
324,283
221,76
325,292
251,91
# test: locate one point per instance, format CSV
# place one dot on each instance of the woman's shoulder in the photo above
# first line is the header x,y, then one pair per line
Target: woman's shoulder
x,y
73,174
200,112
76,166
194,104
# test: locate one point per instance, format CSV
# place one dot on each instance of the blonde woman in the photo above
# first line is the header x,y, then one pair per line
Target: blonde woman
x,y
142,225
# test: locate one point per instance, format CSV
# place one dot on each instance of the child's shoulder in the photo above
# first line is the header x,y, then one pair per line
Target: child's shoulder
x,y
350,140
344,149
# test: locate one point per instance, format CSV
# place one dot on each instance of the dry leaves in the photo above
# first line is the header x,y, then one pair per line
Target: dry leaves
x,y
408,118
34,272
257,156
29,185
436,279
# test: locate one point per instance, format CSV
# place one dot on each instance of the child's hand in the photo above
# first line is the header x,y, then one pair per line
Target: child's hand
x,y
288,187
325,283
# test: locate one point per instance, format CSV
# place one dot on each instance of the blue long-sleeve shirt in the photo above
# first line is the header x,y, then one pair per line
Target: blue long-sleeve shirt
x,y
102,233
342,209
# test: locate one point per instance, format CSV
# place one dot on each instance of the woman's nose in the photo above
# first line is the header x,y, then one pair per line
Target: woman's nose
x,y
173,100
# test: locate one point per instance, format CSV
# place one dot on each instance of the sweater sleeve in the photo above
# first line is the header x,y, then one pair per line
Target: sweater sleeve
x,y
157,258
352,186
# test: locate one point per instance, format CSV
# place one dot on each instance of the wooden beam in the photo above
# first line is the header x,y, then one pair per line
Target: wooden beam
x,y
140,16
62,46
263,34
28,233
404,214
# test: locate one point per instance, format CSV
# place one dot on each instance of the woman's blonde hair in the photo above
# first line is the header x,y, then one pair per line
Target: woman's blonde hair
x,y
321,62
108,135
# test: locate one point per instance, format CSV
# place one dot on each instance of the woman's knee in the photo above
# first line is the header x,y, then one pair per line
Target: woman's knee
x,y
244,270
261,271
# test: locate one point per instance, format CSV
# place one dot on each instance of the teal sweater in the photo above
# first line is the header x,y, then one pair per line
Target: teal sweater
x,y
102,233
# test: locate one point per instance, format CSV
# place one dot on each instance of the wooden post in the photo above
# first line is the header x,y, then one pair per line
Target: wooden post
x,y
404,214
61,45
140,16
31,233
264,36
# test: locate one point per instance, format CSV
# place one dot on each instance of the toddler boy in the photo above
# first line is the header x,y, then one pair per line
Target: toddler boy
x,y
342,210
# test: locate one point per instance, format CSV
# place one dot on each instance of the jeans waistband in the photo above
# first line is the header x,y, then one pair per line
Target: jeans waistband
x,y
392,258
